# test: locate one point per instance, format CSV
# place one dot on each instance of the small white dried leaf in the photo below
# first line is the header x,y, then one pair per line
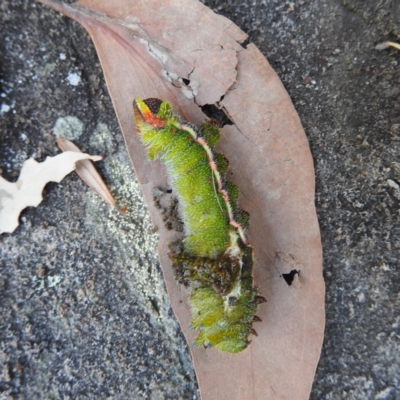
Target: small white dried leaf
x,y
27,191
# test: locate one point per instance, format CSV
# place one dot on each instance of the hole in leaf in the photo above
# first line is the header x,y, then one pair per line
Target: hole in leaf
x,y
215,113
289,277
246,42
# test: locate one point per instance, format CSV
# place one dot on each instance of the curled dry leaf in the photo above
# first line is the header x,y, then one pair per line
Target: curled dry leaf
x,y
27,191
88,173
180,51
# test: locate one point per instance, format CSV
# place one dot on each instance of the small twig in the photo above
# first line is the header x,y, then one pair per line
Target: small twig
x,y
385,45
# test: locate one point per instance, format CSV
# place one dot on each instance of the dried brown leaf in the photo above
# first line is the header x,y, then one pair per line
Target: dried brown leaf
x,y
151,48
27,191
88,173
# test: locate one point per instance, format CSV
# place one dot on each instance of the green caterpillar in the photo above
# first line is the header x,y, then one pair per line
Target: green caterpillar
x,y
216,262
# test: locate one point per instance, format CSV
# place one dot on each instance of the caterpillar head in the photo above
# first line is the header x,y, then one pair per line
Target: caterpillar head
x,y
151,113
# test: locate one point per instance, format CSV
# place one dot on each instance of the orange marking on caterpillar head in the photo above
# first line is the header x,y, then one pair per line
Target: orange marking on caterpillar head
x,y
143,113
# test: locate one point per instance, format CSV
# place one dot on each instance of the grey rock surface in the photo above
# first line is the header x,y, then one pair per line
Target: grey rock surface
x,y
84,312
83,308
